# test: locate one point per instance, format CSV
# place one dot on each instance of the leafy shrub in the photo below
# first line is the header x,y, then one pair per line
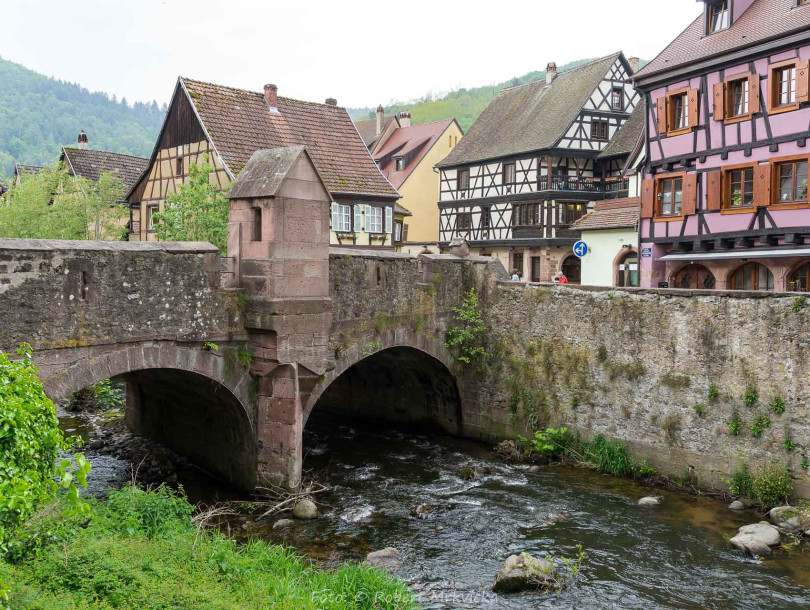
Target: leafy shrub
x,y
741,481
551,443
750,396
30,443
735,425
160,513
788,443
760,423
467,336
778,405
101,395
772,484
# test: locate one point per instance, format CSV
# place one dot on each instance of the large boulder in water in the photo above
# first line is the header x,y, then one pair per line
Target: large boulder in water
x,y
305,509
521,572
386,559
790,519
757,538
651,501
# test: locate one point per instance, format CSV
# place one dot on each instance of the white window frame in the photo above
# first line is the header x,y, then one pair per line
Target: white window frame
x,y
374,219
341,218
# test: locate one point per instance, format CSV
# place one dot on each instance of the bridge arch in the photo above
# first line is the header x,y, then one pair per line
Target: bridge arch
x,y
194,401
398,381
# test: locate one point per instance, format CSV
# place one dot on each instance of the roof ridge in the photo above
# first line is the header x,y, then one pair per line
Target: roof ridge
x,y
564,72
108,152
259,93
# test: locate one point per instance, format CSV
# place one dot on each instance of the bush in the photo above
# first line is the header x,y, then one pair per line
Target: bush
x,y
30,444
467,336
772,484
553,443
741,481
101,395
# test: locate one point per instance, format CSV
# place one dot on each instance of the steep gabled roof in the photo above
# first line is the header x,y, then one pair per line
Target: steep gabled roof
x,y
91,164
368,129
21,170
762,21
411,144
239,123
625,140
265,172
615,214
530,117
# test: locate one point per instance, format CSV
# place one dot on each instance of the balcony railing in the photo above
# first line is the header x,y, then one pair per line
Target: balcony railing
x,y
610,187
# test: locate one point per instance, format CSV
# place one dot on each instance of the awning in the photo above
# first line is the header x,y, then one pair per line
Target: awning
x,y
734,254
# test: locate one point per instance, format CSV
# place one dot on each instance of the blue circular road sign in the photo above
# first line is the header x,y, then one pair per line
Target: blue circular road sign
x,y
580,249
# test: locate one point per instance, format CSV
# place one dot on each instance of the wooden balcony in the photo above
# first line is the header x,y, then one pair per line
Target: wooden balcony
x,y
597,186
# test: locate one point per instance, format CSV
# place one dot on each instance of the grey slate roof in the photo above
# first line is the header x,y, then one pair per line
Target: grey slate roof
x,y
529,117
265,172
91,164
624,142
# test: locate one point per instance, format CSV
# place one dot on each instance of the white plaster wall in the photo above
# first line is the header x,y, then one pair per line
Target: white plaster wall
x,y
604,246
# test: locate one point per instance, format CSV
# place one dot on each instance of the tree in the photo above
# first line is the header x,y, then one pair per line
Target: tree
x,y
198,212
467,336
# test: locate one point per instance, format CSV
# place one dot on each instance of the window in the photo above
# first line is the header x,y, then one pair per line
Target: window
x,y
678,112
737,103
341,218
536,268
463,180
717,17
752,276
791,177
398,164
151,221
463,221
784,86
509,173
696,277
526,214
670,196
398,232
486,220
179,167
256,224
799,280
599,129
374,219
738,188
571,212
617,98
517,263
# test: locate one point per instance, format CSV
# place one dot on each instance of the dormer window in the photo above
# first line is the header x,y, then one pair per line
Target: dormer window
x,y
398,164
717,17
617,98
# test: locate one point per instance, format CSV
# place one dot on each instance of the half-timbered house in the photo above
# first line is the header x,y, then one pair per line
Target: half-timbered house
x,y
725,200
531,166
227,125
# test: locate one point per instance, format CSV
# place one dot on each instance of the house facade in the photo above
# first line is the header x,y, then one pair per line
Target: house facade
x,y
532,165
226,126
406,155
724,199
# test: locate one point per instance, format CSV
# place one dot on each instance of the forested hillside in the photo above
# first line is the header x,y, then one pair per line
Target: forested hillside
x,y
464,104
38,115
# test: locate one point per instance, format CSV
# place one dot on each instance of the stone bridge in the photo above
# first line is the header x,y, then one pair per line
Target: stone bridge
x,y
225,359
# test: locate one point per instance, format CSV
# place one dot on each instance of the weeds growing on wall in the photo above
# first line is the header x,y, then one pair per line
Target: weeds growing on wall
x,y
676,382
713,393
761,422
741,482
735,425
772,484
750,397
467,335
777,405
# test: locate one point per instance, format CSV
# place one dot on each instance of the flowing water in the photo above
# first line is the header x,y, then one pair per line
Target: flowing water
x,y
672,556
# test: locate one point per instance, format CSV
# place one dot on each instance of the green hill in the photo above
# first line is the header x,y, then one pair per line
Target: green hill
x,y
464,104
38,115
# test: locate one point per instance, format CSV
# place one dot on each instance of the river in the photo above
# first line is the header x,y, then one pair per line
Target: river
x,y
672,556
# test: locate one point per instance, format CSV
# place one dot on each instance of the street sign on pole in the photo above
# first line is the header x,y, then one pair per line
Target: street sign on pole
x,y
580,249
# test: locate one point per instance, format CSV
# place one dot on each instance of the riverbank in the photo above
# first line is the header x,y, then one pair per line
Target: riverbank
x,y
142,550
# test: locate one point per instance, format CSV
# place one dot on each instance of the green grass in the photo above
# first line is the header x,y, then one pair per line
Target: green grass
x,y
140,550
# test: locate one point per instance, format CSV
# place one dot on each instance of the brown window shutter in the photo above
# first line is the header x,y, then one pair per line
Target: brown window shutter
x,y
404,232
714,183
662,115
689,201
762,185
647,198
802,82
719,101
694,119
754,93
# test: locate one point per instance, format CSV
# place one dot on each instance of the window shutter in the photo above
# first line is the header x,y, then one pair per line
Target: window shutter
x,y
714,183
358,217
689,201
662,115
389,219
647,198
719,101
694,119
802,82
334,215
754,93
405,233
762,185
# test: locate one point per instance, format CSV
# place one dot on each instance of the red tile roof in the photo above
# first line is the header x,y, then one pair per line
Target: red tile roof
x,y
411,143
368,129
762,21
239,123
615,214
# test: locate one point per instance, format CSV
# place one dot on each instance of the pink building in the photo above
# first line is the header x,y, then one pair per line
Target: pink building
x,y
725,199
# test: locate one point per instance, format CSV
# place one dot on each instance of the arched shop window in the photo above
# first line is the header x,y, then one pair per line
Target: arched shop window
x,y
628,270
572,268
752,276
799,280
695,277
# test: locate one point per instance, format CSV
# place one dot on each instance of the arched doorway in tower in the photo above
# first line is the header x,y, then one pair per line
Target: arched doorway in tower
x,y
572,269
694,277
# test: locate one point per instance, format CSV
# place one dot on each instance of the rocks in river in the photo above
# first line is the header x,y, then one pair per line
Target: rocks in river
x,y
283,523
757,538
523,571
534,468
305,509
790,519
737,505
95,444
474,472
651,501
386,559
422,510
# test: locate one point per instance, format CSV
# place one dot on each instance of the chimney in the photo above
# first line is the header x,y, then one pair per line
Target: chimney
x,y
634,64
271,96
380,115
330,101
404,119
82,141
551,72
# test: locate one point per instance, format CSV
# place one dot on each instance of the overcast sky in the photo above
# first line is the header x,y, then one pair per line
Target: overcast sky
x,y
361,53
